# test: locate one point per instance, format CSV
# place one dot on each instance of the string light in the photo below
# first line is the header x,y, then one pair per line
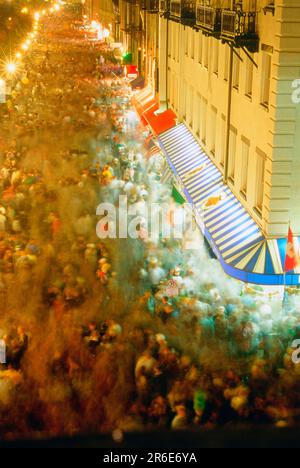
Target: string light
x,y
12,67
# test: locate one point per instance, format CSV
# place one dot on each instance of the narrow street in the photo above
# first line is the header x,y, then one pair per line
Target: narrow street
x,y
106,334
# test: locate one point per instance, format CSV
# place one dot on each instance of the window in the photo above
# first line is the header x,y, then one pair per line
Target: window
x,y
236,72
186,40
203,120
197,115
177,46
172,90
232,153
170,41
266,79
176,94
206,51
184,98
192,43
213,124
226,63
249,78
223,140
191,107
216,57
260,180
173,41
244,165
200,47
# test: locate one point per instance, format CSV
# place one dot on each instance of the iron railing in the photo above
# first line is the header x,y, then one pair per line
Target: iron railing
x,y
183,9
150,5
238,23
208,18
164,6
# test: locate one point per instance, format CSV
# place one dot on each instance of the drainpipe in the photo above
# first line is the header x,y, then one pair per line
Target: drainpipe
x,y
230,82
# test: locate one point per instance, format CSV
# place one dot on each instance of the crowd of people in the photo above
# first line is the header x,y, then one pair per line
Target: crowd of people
x,y
100,333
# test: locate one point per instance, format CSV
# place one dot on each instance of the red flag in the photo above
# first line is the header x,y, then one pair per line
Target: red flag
x,y
291,256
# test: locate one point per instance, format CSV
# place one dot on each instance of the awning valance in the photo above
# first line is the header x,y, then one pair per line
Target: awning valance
x,y
237,240
144,99
160,122
138,82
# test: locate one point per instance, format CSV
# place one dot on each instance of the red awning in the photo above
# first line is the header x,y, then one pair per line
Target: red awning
x,y
162,122
131,70
148,109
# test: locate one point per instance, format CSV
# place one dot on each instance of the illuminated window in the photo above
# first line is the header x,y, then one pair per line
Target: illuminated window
x,y
189,110
244,165
197,115
186,41
213,125
192,43
216,57
260,180
236,72
249,77
177,47
184,100
223,140
203,120
172,89
232,153
226,63
206,51
266,79
200,47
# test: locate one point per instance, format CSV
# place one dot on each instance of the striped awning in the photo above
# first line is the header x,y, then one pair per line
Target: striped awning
x,y
153,150
145,101
234,236
167,175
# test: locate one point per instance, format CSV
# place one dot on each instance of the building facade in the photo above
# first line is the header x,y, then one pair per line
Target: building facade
x,y
228,69
237,100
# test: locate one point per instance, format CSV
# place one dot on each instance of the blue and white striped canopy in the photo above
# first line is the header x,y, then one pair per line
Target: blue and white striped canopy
x,y
235,237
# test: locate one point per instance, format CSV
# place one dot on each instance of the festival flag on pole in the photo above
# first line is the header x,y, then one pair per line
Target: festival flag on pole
x,y
291,256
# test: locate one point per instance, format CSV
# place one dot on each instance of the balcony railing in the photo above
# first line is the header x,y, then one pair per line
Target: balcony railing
x,y
131,29
164,6
208,18
185,10
237,24
150,5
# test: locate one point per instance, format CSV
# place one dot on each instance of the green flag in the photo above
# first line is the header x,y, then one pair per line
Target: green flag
x,y
177,196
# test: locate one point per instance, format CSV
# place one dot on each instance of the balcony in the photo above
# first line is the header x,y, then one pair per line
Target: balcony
x,y
183,11
164,7
151,6
208,19
240,27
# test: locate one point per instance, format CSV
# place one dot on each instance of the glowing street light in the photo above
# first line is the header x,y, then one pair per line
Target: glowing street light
x,y
25,46
36,16
11,68
18,55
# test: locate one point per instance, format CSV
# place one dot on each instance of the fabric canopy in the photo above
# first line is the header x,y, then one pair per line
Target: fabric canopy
x,y
162,122
138,82
236,239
